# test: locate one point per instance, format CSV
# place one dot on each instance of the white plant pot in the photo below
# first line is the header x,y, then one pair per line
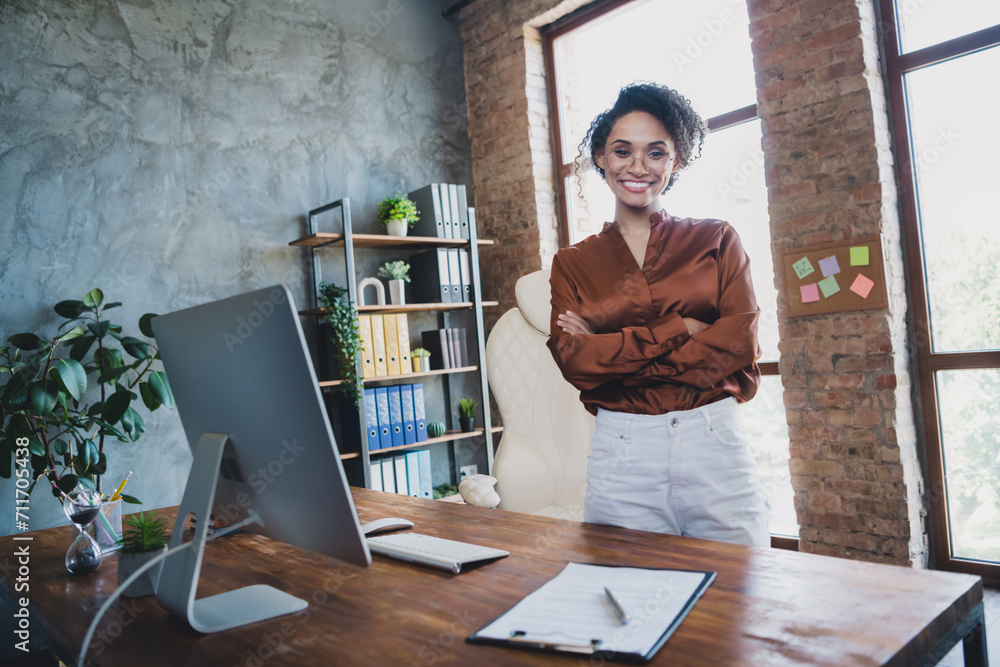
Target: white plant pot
x,y
147,581
397,292
396,228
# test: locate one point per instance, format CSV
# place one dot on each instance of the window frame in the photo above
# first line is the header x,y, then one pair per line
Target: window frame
x,y
928,362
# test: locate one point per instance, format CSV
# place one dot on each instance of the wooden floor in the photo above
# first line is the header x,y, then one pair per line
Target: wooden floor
x,y
991,603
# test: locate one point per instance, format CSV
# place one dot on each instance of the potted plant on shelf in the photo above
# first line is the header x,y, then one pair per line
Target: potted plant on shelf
x,y
396,273
397,213
467,413
343,317
421,359
144,538
42,402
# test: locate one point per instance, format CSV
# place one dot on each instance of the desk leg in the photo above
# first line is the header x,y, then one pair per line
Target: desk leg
x,y
974,647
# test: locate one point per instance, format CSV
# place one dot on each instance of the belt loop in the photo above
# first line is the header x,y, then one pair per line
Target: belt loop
x,y
627,426
707,416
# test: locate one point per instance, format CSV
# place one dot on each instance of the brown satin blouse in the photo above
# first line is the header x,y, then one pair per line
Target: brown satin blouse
x,y
641,358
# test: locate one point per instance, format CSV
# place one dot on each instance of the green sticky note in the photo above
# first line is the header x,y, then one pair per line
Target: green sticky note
x,y
859,255
803,267
828,286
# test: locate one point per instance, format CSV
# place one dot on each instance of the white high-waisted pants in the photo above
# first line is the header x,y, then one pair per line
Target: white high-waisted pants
x,y
687,473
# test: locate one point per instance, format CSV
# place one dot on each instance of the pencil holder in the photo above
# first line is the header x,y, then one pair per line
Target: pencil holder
x,y
107,529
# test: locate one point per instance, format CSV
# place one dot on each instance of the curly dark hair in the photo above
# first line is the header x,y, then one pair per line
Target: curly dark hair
x,y
665,104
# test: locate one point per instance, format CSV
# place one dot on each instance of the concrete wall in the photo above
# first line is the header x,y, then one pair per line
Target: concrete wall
x,y
166,152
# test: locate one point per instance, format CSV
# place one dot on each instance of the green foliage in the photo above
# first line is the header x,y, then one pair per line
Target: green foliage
x,y
42,401
398,270
399,207
445,490
420,352
467,407
143,533
343,317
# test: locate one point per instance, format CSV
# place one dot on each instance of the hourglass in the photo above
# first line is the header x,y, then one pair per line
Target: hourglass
x,y
81,506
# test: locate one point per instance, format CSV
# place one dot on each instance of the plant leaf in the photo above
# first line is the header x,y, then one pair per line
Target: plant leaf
x,y
112,304
70,309
26,341
133,424
75,332
94,298
101,466
36,447
112,374
161,388
80,347
99,329
149,399
115,406
44,396
72,377
66,484
130,499
137,348
60,447
146,325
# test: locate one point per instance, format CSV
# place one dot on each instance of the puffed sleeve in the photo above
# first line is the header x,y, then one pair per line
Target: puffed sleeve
x,y
728,344
588,361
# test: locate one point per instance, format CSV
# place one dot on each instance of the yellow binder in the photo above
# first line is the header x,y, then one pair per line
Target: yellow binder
x,y
378,346
403,334
391,344
367,351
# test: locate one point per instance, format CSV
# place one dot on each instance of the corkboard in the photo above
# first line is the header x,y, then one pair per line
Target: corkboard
x,y
822,278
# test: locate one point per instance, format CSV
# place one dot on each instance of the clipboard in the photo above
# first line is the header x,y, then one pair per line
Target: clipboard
x,y
571,614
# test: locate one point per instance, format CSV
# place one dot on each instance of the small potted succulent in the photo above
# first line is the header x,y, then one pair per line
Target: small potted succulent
x,y
421,359
143,539
467,413
396,273
397,214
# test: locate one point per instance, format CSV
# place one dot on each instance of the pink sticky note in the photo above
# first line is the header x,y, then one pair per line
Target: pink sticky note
x,y
829,266
862,286
809,292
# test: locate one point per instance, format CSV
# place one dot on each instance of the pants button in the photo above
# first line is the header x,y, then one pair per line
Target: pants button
x,y
674,422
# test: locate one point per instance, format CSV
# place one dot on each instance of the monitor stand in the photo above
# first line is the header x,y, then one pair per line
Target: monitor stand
x,y
179,580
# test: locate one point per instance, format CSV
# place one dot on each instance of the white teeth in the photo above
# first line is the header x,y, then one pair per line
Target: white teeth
x,y
635,184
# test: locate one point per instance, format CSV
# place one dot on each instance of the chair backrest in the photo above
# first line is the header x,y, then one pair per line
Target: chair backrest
x,y
541,463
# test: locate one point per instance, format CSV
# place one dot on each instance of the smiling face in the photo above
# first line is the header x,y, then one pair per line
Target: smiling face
x,y
637,189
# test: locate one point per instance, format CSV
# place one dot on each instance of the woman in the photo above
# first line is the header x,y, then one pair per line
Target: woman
x,y
655,321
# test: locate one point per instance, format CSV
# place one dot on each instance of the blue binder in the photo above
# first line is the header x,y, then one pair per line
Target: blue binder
x,y
413,474
426,474
382,407
371,419
409,423
396,416
419,416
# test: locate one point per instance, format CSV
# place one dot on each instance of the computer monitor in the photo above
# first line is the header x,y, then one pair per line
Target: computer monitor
x,y
252,410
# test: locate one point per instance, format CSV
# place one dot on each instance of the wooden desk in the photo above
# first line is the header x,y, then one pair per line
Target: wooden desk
x,y
766,608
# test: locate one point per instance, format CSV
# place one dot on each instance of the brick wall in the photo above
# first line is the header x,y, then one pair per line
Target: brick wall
x,y
853,452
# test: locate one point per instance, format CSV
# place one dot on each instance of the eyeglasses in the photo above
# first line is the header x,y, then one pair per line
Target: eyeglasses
x,y
622,159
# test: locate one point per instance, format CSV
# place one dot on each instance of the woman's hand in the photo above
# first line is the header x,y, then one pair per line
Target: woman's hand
x,y
694,326
572,323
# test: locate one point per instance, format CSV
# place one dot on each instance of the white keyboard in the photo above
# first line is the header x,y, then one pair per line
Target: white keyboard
x,y
434,551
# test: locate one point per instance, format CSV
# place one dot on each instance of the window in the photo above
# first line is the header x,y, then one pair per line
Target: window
x,y
703,51
941,61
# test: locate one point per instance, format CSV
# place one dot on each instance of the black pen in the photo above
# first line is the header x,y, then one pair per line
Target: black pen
x,y
619,610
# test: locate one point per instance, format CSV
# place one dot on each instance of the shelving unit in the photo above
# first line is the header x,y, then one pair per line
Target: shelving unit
x,y
350,243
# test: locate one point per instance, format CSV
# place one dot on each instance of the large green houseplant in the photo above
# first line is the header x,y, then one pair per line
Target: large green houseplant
x,y
46,404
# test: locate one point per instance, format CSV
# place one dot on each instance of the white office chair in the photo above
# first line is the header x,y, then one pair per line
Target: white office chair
x,y
541,462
